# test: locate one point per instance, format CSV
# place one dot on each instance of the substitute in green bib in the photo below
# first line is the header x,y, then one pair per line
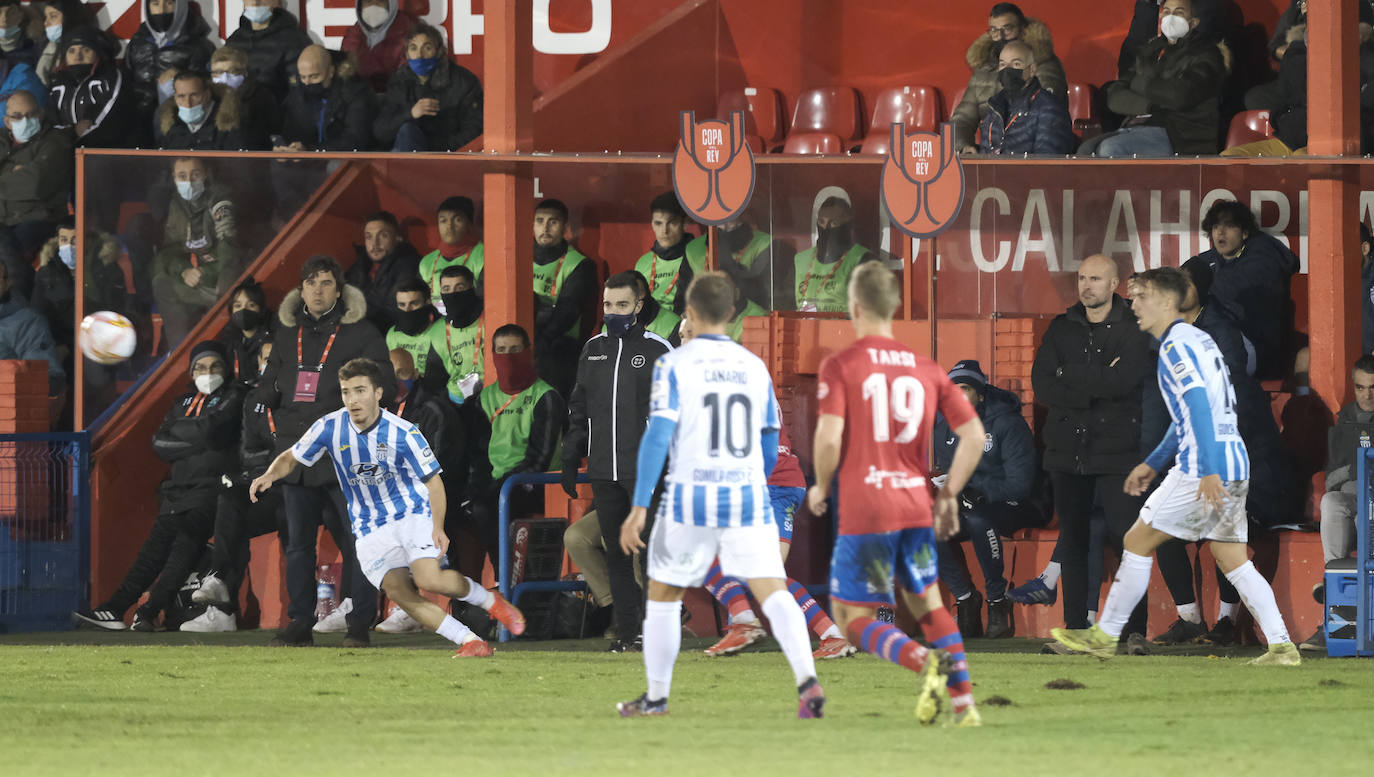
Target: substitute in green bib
x,y
460,335
414,316
564,290
822,272
675,256
458,245
518,421
761,267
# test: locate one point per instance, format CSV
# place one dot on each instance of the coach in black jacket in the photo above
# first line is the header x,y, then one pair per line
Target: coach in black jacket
x,y
197,439
323,326
607,414
1089,372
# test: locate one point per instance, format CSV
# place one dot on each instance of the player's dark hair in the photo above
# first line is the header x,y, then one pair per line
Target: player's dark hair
x,y
1364,364
712,297
553,206
1168,280
627,280
386,217
322,263
875,288
1232,212
512,330
361,367
410,286
459,204
458,271
667,203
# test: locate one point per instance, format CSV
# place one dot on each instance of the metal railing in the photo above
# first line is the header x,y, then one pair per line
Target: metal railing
x,y
513,593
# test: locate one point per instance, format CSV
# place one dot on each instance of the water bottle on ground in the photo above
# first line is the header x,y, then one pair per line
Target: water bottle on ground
x,y
326,591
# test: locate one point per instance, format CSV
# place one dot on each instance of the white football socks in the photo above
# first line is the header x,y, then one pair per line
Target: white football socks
x,y
1050,577
747,616
832,633
662,641
477,595
1259,600
1132,580
1226,610
789,629
1190,612
454,631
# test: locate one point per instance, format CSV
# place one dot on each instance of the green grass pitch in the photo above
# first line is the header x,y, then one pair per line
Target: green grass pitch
x,y
149,704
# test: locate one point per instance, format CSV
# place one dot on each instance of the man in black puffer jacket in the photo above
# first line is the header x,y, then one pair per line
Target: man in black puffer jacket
x,y
323,326
197,438
431,104
173,35
1089,372
1023,117
329,110
607,414
272,38
999,499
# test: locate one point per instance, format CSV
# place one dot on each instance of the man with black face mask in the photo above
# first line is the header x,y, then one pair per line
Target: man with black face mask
x,y
459,337
606,417
250,325
326,110
822,272
564,287
1022,117
675,255
761,267
415,317
1006,23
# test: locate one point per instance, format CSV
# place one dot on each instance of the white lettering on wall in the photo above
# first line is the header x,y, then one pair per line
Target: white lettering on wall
x,y
1183,228
1123,211
1258,198
976,229
1036,210
593,39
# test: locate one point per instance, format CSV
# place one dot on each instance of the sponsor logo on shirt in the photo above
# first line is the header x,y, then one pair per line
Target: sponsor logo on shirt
x,y
894,478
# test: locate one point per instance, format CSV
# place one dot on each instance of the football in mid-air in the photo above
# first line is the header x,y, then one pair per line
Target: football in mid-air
x,y
107,337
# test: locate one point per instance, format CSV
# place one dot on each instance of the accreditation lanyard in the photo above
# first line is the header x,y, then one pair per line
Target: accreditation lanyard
x,y
806,282
557,271
502,408
196,404
308,381
477,351
653,268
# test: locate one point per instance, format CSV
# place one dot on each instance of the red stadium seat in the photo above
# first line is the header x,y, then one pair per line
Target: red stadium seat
x,y
876,143
1082,102
1248,127
917,107
813,143
833,109
763,112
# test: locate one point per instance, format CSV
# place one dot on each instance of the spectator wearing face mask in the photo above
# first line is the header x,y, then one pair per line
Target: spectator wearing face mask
x,y
59,16
251,324
173,35
35,176
328,110
822,272
17,44
200,116
415,318
760,266
54,290
1006,23
431,104
378,40
199,260
90,92
460,336
272,39
1022,117
259,108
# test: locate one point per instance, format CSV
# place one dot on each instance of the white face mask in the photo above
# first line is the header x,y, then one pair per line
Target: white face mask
x,y
209,384
67,254
374,15
189,190
1174,27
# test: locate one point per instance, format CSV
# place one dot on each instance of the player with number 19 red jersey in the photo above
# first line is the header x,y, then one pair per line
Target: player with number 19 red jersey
x,y
888,396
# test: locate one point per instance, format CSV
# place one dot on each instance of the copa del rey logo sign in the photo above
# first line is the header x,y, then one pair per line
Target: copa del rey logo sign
x,y
713,175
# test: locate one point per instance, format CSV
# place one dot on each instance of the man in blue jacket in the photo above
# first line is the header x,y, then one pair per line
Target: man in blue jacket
x,y
1022,117
998,500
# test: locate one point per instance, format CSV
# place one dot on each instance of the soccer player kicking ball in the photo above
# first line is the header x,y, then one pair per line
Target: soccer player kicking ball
x,y
396,506
878,401
712,408
1203,496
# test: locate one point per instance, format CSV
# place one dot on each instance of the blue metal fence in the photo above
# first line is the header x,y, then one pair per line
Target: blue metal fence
x,y
1364,558
503,573
44,529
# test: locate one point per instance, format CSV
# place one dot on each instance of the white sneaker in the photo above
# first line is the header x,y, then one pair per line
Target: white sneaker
x,y
212,620
336,621
399,622
212,591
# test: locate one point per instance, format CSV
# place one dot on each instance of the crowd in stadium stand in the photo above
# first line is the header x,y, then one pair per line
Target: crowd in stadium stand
x,y
418,310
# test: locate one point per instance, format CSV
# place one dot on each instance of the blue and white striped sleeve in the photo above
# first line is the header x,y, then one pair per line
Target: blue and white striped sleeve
x,y
663,397
420,456
1191,391
314,443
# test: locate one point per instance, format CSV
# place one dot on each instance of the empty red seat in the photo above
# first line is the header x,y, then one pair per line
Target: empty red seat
x,y
813,143
763,111
1082,102
833,109
876,143
916,107
1248,127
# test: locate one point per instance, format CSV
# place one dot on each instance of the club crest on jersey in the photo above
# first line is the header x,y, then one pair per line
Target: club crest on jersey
x,y
382,449
987,442
637,361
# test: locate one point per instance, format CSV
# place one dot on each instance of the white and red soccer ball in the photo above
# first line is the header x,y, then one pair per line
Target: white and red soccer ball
x,y
107,337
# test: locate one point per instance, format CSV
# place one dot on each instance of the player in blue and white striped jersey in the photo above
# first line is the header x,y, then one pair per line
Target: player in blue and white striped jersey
x,y
1203,497
713,410
396,505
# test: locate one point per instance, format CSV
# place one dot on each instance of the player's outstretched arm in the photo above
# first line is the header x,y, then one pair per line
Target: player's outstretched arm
x,y
825,454
438,504
283,465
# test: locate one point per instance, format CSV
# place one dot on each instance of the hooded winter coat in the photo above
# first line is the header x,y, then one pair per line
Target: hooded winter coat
x,y
25,335
1089,377
355,338
104,97
272,51
380,50
1032,122
75,13
459,93
982,85
184,45
36,177
1178,87
222,130
342,123
54,289
1007,471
